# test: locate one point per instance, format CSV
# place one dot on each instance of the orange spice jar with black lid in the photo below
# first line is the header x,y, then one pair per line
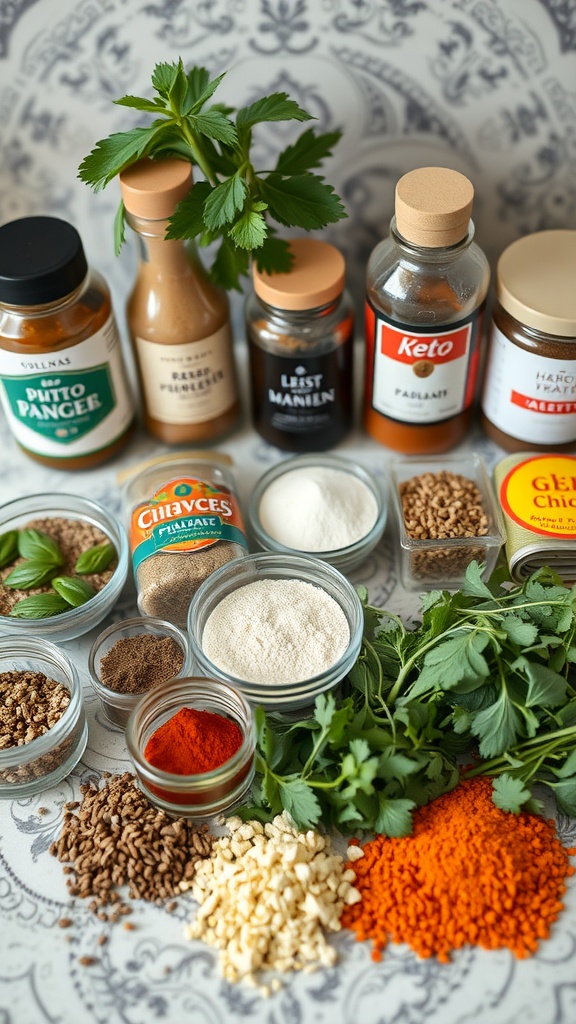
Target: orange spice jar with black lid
x,y
529,393
63,382
426,286
179,320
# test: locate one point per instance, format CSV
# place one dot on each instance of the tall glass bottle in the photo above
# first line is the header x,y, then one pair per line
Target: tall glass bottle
x,y
426,286
178,319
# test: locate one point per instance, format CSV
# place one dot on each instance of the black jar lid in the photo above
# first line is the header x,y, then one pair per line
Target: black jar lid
x,y
41,260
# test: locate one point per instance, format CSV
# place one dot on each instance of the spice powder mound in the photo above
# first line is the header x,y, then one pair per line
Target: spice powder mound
x,y
114,837
167,581
135,663
469,874
73,536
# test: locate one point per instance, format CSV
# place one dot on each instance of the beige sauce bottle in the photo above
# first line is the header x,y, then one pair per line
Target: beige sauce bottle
x,y
178,319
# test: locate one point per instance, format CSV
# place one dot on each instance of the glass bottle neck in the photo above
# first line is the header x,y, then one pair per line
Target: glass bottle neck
x,y
171,255
297,316
428,254
46,308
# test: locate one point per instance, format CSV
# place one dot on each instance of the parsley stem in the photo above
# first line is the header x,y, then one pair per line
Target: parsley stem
x,y
197,155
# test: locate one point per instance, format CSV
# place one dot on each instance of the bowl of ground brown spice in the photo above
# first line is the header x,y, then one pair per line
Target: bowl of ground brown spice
x,y
63,564
446,517
130,657
43,729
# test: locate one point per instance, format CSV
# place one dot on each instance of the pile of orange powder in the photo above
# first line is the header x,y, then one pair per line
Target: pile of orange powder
x,y
469,874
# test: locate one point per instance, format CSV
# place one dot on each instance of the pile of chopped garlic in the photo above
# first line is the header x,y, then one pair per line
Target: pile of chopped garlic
x,y
267,895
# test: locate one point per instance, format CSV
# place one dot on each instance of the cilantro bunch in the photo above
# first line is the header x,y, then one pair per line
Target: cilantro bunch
x,y
488,673
235,201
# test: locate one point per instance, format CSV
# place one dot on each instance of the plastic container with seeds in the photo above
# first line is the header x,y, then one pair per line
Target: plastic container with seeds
x,y
184,523
446,517
47,758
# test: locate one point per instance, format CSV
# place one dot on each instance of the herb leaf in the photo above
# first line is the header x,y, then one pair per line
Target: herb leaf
x,y
74,591
39,606
224,202
95,559
112,155
39,546
29,574
8,547
307,152
276,107
303,201
509,794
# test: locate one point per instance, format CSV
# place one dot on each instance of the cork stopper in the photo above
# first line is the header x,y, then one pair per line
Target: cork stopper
x,y
152,189
316,278
433,206
535,281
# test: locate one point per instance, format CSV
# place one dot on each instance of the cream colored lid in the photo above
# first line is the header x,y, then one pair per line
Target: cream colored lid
x,y
153,188
433,206
536,281
316,278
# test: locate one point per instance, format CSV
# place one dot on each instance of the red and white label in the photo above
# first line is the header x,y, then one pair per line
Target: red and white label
x,y
529,396
422,378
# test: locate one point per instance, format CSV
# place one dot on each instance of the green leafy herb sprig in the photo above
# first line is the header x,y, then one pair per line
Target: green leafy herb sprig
x,y
42,564
489,673
235,200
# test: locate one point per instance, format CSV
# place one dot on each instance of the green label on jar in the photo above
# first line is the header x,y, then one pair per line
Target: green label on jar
x,y
62,407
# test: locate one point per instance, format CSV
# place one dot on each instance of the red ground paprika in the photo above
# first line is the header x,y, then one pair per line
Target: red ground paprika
x,y
193,742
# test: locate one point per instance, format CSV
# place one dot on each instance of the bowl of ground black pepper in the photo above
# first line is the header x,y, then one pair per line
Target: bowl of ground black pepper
x,y
43,729
446,517
63,564
130,657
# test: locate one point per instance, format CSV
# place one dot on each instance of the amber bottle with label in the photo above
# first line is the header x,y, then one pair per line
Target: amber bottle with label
x,y
63,383
426,286
178,319
300,339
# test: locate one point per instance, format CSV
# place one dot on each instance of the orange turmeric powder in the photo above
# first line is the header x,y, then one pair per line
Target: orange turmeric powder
x,y
469,873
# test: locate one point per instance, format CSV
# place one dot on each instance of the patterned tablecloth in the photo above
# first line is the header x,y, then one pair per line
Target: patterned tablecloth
x,y
152,973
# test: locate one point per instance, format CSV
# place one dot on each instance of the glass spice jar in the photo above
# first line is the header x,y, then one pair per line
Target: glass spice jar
x,y
529,393
63,382
300,340
426,286
179,320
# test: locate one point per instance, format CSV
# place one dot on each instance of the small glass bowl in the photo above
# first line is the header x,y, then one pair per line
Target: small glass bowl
x,y
192,796
46,760
117,706
69,624
441,564
277,696
346,559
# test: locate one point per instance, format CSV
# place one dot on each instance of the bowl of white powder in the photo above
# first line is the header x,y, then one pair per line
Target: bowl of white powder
x,y
280,628
321,505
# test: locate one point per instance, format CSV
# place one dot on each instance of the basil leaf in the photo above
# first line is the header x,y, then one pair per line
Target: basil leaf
x,y
39,546
32,573
8,547
95,559
74,591
39,606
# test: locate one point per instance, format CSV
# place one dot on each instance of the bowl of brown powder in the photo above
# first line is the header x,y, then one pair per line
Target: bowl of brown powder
x,y
43,729
130,657
63,564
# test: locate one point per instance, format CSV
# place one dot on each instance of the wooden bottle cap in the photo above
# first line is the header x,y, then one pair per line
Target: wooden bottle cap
x,y
433,206
316,278
152,189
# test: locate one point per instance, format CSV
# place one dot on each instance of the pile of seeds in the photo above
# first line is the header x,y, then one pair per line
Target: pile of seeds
x,y
438,506
267,895
30,704
114,837
135,663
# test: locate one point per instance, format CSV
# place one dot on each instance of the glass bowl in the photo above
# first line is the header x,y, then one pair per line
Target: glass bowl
x,y
36,766
278,696
76,621
441,563
344,558
208,793
117,706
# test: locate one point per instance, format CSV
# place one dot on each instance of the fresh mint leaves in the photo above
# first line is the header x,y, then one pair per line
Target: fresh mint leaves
x,y
489,671
235,202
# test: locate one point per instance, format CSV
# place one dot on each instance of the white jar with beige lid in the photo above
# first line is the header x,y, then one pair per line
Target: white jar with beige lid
x,y
300,337
178,319
425,290
529,393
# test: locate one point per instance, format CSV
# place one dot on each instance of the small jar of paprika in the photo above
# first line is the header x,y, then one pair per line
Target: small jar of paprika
x,y
63,383
192,744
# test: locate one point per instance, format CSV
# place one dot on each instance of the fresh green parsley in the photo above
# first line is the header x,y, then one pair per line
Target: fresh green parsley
x,y
236,201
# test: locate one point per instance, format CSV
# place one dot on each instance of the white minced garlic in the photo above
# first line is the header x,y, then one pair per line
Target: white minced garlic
x,y
267,895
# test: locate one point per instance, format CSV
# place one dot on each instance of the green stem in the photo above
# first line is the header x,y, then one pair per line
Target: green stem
x,y
196,150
